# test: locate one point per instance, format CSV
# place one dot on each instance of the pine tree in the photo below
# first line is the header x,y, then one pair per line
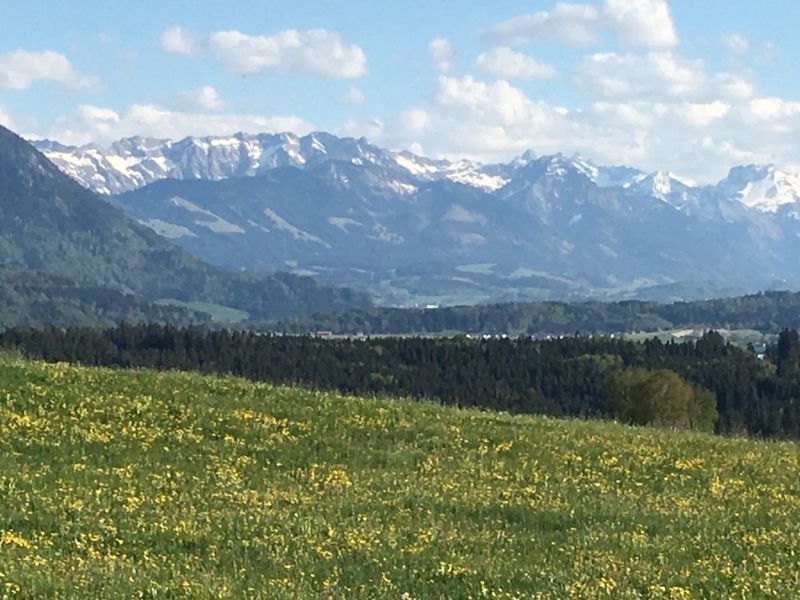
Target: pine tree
x,y
788,353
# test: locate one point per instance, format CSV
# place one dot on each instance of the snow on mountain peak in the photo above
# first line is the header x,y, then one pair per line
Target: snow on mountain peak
x,y
661,184
761,187
136,161
523,159
586,167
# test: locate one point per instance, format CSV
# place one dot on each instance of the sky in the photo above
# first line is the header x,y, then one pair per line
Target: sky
x,y
683,86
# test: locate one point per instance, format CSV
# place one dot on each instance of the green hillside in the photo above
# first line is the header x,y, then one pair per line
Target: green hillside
x,y
138,484
50,224
32,298
764,312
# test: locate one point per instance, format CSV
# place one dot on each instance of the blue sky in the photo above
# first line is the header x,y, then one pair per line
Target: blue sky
x,y
692,87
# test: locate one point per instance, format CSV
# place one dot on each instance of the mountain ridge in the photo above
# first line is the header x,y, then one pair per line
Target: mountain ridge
x,y
416,230
130,163
50,223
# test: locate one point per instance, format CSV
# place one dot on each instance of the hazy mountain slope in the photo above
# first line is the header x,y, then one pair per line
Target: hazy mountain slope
x,y
31,298
419,230
50,223
550,232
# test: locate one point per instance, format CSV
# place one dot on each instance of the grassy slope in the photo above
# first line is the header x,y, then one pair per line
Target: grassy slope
x,y
143,484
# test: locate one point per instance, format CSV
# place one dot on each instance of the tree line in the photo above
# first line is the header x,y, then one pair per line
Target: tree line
x,y
766,312
573,376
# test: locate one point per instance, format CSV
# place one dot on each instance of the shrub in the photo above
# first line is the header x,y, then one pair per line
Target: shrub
x,y
661,398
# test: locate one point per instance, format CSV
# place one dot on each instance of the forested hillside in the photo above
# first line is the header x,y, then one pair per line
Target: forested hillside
x,y
30,298
568,377
766,312
50,224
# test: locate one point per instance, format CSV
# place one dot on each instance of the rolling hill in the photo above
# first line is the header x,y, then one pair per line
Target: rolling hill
x,y
143,484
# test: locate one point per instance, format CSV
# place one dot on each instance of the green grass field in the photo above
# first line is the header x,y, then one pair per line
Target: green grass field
x,y
737,337
217,312
137,484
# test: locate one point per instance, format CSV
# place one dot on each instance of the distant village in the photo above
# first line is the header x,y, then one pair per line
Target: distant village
x,y
759,348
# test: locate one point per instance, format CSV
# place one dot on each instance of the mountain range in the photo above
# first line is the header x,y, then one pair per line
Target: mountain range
x,y
415,230
51,226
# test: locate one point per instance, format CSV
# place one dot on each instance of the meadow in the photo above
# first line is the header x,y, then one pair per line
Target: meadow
x,y
145,484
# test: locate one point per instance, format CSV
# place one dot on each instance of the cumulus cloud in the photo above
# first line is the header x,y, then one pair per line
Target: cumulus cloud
x,y
19,69
658,74
315,51
468,117
772,109
576,24
633,22
103,125
505,62
442,52
493,121
733,87
204,98
353,95
641,22
5,118
700,114
178,40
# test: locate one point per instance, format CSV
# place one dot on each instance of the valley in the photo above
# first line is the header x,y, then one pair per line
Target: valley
x,y
415,231
50,225
399,301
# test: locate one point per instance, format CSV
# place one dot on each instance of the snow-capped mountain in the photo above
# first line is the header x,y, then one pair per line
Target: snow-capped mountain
x,y
134,162
763,188
416,229
131,163
661,184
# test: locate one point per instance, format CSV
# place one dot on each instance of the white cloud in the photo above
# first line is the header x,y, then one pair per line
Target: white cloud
x,y
353,95
315,51
470,118
5,119
633,22
203,98
702,114
655,74
178,40
736,43
732,86
373,129
641,22
771,108
634,115
19,69
89,112
493,121
442,53
103,125
505,62
576,24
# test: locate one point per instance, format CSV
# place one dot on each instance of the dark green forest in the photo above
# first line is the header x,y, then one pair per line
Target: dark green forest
x,y
571,376
766,312
33,298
